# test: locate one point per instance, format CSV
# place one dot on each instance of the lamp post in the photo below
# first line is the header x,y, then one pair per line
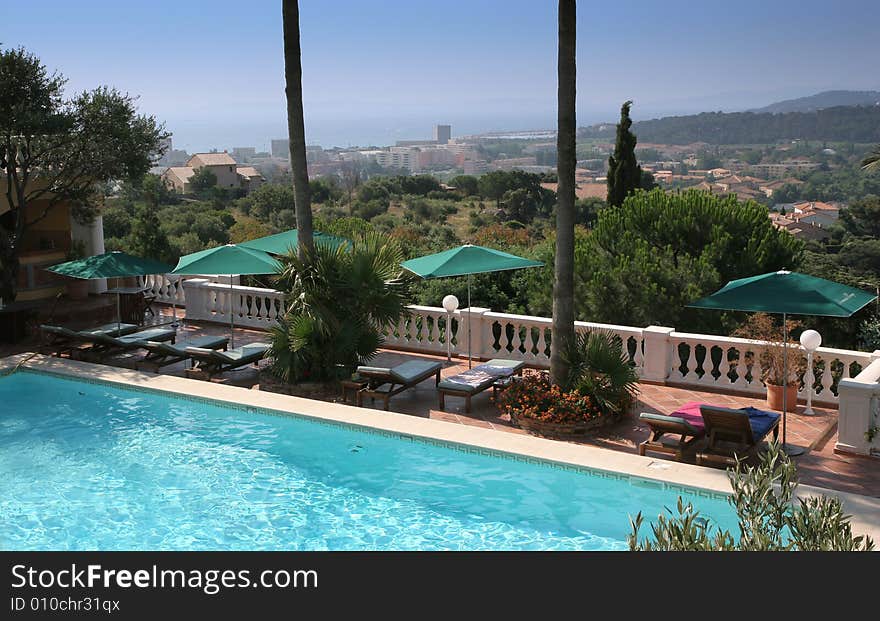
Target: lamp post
x,y
450,303
173,288
810,341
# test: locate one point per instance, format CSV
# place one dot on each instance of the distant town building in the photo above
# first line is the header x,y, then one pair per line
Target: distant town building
x,y
281,148
442,133
170,156
475,167
399,157
244,154
514,163
784,169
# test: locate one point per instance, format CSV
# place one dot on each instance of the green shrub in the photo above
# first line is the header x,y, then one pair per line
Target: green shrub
x,y
769,516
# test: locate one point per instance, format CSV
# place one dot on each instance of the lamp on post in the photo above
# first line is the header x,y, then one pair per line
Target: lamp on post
x,y
810,341
450,304
173,288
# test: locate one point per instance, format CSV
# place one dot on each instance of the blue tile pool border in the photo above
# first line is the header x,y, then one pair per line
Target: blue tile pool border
x,y
416,439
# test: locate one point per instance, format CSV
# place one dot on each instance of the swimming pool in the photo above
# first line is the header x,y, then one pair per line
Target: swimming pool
x,y
95,466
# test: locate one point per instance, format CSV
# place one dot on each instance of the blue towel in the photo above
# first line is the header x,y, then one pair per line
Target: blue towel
x,y
761,421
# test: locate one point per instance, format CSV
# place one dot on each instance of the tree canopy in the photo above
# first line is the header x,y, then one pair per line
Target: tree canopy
x,y
56,150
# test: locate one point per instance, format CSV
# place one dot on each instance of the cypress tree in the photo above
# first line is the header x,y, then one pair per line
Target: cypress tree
x,y
624,172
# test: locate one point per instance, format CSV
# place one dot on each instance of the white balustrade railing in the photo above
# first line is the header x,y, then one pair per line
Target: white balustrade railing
x,y
251,307
164,289
733,364
660,354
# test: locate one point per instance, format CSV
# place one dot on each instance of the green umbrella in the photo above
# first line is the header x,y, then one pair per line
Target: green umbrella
x,y
464,261
114,264
282,243
226,261
788,293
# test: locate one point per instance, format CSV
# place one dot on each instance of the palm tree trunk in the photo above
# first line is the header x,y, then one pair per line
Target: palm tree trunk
x,y
563,284
296,127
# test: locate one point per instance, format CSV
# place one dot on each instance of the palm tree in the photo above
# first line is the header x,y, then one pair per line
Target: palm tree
x,y
320,339
872,160
563,284
295,126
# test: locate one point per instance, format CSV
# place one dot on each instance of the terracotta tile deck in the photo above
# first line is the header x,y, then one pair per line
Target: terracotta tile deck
x,y
817,433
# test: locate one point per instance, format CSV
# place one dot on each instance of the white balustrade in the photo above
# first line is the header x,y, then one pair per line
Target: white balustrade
x,y
733,364
424,329
252,307
660,354
164,289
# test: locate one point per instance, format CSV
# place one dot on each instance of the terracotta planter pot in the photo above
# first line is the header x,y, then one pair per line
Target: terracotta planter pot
x,y
559,430
774,397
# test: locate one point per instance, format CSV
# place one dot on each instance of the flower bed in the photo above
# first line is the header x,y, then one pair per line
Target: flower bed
x,y
536,405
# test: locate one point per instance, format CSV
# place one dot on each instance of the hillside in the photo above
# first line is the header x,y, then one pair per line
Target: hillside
x,y
819,101
860,124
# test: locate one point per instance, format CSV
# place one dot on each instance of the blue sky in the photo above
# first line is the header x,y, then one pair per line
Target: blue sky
x,y
375,72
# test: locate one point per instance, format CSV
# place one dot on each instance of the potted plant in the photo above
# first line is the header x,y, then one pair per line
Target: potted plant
x,y
77,288
774,357
538,406
601,386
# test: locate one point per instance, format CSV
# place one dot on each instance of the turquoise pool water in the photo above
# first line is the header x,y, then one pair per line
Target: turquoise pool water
x,y
87,466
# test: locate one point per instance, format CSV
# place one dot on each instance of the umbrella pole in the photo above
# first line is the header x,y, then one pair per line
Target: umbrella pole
x,y
792,451
231,317
118,309
470,364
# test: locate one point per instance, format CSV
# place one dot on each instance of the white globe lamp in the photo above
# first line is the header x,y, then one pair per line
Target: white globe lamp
x,y
810,341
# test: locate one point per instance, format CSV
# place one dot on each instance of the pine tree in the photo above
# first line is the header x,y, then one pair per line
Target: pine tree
x,y
624,172
147,239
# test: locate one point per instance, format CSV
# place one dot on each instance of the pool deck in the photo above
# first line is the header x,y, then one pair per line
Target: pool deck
x,y
669,474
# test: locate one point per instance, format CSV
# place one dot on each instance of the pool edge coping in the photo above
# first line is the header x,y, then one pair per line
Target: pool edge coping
x,y
865,510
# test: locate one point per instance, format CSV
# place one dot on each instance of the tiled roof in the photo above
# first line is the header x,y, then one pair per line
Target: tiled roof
x,y
213,159
181,172
248,171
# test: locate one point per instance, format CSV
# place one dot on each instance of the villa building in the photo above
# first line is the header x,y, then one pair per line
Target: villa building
x,y
229,174
49,241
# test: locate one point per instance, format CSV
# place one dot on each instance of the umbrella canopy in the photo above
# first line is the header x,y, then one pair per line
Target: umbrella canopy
x,y
110,265
465,260
789,293
282,243
228,259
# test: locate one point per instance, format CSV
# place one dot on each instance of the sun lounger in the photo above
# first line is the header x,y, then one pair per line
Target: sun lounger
x,y
104,345
211,362
685,423
476,380
162,354
58,339
383,383
733,433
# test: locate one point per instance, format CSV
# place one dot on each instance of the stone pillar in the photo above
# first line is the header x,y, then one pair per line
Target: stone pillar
x,y
857,411
92,235
195,298
658,353
471,319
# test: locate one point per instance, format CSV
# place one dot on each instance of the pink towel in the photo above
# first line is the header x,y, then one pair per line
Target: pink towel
x,y
691,413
